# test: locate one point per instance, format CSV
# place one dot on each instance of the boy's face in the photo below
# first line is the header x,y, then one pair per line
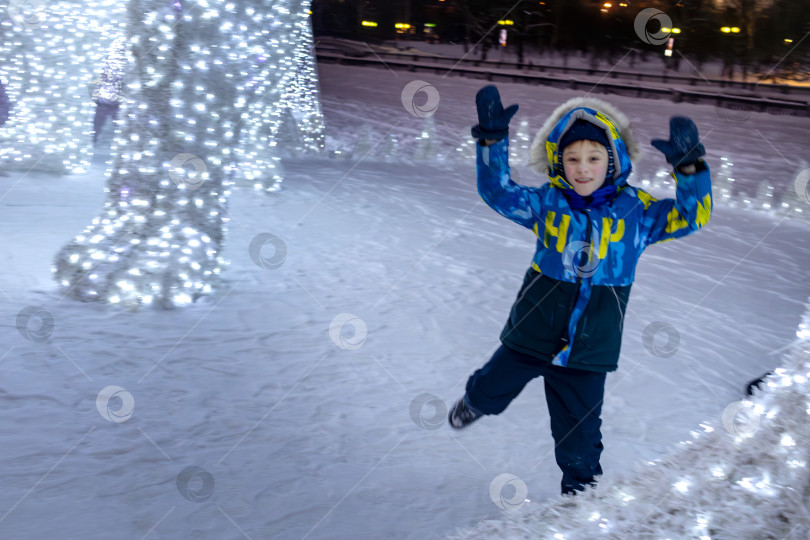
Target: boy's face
x,y
585,164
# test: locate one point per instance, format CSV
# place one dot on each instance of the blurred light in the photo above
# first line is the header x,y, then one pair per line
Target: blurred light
x,y
153,273
735,30
607,5
369,23
788,40
725,29
403,26
430,25
506,22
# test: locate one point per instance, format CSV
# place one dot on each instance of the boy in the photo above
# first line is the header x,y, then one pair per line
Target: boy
x,y
591,228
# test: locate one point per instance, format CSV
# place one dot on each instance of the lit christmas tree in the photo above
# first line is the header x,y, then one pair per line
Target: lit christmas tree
x,y
725,183
519,147
426,145
284,85
745,476
465,151
204,96
364,144
390,148
764,198
49,53
795,199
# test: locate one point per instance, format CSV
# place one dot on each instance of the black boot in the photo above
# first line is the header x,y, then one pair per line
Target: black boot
x,y
755,384
462,414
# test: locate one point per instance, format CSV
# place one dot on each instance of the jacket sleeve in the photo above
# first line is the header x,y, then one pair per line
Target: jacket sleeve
x,y
689,211
519,203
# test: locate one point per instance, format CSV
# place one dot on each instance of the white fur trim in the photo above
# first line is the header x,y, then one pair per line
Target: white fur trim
x,y
538,158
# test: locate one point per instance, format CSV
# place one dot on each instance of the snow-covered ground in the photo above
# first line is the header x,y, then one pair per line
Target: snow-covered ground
x,y
301,434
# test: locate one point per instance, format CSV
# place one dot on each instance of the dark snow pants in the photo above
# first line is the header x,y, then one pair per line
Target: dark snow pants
x,y
574,399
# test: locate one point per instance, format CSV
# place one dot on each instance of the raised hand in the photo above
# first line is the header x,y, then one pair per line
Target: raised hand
x,y
493,120
683,147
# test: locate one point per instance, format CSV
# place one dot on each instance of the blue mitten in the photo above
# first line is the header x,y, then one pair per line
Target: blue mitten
x,y
493,120
683,147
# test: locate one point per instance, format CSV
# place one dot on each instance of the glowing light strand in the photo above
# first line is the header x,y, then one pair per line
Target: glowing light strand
x,y
194,100
49,52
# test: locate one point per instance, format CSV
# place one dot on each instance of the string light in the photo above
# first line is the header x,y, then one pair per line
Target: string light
x,y
50,53
205,87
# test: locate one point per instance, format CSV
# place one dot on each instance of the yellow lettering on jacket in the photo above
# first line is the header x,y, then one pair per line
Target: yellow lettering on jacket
x,y
612,231
675,221
608,235
560,231
704,210
645,198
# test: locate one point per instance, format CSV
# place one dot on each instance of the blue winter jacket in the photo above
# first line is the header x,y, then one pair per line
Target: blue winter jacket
x,y
571,306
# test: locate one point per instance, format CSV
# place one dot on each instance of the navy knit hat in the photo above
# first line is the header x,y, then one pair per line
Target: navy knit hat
x,y
584,130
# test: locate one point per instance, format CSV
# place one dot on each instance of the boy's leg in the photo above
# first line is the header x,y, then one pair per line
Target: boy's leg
x,y
491,388
574,398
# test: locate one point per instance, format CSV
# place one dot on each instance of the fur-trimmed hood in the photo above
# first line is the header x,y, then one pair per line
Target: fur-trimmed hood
x,y
544,157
